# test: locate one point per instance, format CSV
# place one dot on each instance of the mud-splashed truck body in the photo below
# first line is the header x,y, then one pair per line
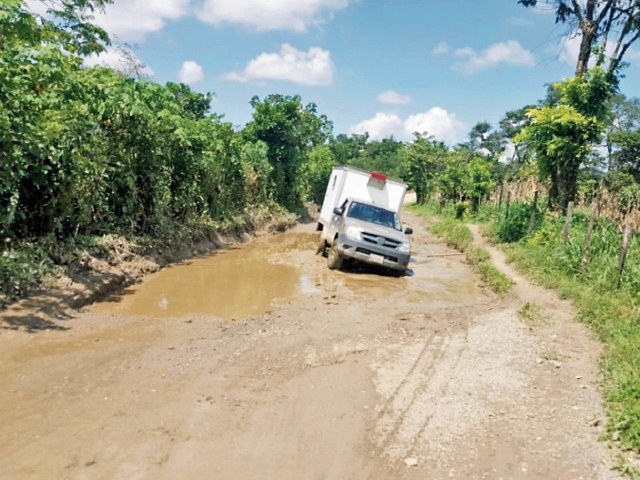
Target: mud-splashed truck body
x,y
360,220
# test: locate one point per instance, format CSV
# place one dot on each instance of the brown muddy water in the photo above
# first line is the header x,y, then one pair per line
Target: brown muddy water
x,y
253,278
233,283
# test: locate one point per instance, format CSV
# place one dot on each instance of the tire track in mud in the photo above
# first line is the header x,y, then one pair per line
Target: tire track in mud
x,y
393,424
343,382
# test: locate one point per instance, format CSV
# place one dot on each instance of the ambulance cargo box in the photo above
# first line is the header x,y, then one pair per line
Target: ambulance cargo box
x,y
348,182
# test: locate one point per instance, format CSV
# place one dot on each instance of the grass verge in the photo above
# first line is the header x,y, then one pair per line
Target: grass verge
x,y
458,236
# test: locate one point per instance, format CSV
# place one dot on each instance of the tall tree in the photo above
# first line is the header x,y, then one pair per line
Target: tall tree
x,y
385,156
346,148
562,136
425,159
290,131
595,21
484,140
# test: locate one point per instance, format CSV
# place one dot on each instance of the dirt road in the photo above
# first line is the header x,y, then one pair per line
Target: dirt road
x,y
352,375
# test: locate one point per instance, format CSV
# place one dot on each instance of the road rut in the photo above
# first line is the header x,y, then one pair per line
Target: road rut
x,y
362,376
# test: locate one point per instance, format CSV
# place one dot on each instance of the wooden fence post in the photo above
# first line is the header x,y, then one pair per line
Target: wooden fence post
x,y
567,223
534,207
500,195
623,254
506,215
587,240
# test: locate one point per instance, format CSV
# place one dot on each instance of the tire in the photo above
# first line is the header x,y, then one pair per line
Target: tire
x,y
322,245
334,260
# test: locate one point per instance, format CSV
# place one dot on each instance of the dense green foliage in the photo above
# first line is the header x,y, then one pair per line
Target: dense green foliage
x,y
562,135
514,228
87,150
290,130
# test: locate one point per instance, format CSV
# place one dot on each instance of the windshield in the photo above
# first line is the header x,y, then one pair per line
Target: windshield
x,y
369,213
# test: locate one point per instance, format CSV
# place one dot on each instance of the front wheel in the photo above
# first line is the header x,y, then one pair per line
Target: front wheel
x,y
334,260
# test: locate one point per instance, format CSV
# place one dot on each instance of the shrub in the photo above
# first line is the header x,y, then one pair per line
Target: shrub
x,y
514,228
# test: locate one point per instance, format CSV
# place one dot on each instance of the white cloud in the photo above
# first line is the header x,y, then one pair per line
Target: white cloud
x,y
441,49
122,60
263,15
444,126
381,126
394,98
133,19
313,67
191,73
570,50
510,53
37,7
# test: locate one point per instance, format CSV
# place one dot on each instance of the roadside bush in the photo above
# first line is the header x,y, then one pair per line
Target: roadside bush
x,y
21,270
514,228
461,209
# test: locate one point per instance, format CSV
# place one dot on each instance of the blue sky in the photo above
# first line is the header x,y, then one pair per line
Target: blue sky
x,y
386,66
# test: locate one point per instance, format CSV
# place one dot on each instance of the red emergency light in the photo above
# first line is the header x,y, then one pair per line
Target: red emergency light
x,y
379,176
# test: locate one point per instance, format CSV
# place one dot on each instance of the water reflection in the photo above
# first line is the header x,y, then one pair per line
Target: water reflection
x,y
235,283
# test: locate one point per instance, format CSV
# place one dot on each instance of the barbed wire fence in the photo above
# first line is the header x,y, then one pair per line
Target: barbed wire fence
x,y
622,211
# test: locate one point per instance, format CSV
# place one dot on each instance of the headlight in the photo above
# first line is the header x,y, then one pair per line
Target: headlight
x,y
353,233
405,248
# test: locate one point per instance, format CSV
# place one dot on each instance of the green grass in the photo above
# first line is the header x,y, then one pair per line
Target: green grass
x,y
458,236
455,234
497,281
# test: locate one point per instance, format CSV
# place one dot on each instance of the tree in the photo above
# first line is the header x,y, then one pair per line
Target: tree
x,y
347,148
68,22
563,135
595,21
316,172
466,176
290,131
425,159
385,156
627,157
485,141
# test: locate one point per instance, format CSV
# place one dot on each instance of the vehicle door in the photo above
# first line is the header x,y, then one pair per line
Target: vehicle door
x,y
337,221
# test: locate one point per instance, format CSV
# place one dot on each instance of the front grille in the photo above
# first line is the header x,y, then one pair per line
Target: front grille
x,y
379,240
369,252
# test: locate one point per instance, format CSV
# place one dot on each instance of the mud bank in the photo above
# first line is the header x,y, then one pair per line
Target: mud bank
x,y
86,274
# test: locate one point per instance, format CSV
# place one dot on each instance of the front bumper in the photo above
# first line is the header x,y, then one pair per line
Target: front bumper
x,y
372,254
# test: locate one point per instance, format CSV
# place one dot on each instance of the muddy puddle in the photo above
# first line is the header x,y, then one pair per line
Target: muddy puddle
x,y
232,283
251,279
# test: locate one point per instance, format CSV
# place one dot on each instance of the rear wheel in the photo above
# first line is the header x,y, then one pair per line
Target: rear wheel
x,y
322,245
334,260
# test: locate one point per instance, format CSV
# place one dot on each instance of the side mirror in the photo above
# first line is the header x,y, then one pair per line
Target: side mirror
x,y
408,231
338,211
